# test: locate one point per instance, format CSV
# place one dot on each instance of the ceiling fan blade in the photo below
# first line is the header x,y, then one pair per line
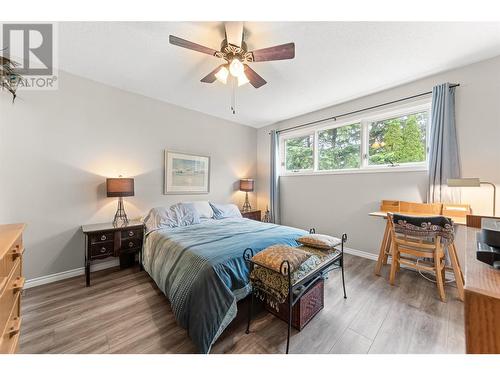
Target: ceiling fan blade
x,y
210,77
281,52
176,41
255,80
234,32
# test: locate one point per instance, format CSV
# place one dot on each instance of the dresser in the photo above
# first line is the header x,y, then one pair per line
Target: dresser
x,y
253,215
482,298
106,240
11,285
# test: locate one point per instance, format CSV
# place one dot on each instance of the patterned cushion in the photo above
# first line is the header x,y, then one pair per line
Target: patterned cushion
x,y
273,256
428,227
319,241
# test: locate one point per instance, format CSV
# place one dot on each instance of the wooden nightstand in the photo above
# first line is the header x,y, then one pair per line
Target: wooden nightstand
x,y
254,215
105,240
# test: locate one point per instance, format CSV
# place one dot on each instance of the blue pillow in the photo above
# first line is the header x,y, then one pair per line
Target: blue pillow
x,y
224,211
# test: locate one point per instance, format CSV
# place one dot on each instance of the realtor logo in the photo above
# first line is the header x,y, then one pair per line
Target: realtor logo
x,y
32,46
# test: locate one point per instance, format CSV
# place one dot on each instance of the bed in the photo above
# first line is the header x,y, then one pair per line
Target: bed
x,y
201,270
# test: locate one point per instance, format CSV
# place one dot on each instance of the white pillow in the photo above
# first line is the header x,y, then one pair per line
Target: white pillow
x,y
204,209
223,211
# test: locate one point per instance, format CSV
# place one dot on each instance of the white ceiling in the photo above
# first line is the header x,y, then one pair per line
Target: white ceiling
x,y
334,62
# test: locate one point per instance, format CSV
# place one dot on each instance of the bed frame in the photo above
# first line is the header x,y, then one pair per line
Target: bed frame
x,y
302,285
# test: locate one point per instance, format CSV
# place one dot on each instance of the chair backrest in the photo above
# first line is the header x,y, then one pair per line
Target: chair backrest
x,y
389,206
456,210
421,208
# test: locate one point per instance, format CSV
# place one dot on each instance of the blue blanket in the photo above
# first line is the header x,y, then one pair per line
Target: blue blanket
x,y
201,270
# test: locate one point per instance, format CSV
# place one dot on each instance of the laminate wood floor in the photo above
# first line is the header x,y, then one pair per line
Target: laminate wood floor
x,y
124,312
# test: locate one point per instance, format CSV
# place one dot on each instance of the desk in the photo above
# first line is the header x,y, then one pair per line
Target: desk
x,y
482,301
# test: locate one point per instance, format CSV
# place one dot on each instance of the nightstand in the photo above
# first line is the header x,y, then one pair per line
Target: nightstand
x,y
105,240
254,215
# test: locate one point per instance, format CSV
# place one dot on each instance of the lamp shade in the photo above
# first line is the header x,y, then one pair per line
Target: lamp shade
x,y
463,182
120,187
246,184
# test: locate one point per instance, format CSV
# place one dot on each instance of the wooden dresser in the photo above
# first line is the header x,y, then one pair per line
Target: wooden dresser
x,y
482,299
11,285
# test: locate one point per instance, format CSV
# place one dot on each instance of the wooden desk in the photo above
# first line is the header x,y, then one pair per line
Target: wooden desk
x,y
482,301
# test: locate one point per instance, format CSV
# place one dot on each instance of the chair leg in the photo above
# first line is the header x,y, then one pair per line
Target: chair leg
x,y
457,271
439,275
395,263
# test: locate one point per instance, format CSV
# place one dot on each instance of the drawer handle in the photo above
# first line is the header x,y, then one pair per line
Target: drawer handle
x,y
130,244
18,284
103,250
14,326
103,237
17,252
131,234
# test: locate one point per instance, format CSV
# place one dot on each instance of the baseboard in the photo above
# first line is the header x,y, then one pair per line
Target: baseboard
x,y
70,273
361,254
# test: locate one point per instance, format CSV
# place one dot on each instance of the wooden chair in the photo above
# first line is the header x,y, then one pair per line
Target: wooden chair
x,y
420,208
412,241
456,210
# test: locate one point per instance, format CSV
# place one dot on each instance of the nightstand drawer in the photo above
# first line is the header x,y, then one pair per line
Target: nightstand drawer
x,y
101,250
101,237
131,233
253,215
131,243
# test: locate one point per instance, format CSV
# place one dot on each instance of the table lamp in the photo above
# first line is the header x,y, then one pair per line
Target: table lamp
x,y
246,185
472,182
120,187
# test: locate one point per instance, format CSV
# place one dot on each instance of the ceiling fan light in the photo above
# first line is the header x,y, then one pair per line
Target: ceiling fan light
x,y
242,79
236,67
222,75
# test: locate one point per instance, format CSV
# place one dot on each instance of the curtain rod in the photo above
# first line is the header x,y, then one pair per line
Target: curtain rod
x,y
358,111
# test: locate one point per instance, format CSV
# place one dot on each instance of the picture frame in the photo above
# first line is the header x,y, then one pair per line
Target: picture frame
x,y
186,173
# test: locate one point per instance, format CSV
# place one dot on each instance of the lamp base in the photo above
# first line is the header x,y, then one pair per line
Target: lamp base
x,y
246,206
120,215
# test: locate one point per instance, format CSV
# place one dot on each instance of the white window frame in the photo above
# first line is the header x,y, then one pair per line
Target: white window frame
x,y
365,120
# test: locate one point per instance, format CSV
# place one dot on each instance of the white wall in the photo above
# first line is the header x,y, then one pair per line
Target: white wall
x,y
57,148
338,203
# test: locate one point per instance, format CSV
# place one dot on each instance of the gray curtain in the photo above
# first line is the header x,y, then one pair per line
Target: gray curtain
x,y
444,162
274,199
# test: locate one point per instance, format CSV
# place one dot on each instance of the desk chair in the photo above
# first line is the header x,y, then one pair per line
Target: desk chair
x,y
415,237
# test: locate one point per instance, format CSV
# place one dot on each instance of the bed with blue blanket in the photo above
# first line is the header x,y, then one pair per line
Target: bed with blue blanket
x,y
200,268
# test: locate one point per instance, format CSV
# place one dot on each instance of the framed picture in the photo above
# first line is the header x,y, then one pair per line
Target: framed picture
x,y
186,173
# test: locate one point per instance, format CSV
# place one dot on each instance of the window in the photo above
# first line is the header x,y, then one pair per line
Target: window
x,y
397,139
299,153
339,148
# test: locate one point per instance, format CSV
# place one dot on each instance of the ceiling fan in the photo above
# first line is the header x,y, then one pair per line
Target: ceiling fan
x,y
236,55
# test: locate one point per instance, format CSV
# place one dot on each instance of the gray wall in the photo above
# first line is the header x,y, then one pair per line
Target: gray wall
x,y
337,203
57,148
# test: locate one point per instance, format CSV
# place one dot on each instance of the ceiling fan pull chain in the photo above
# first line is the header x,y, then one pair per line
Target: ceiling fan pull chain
x,y
233,96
